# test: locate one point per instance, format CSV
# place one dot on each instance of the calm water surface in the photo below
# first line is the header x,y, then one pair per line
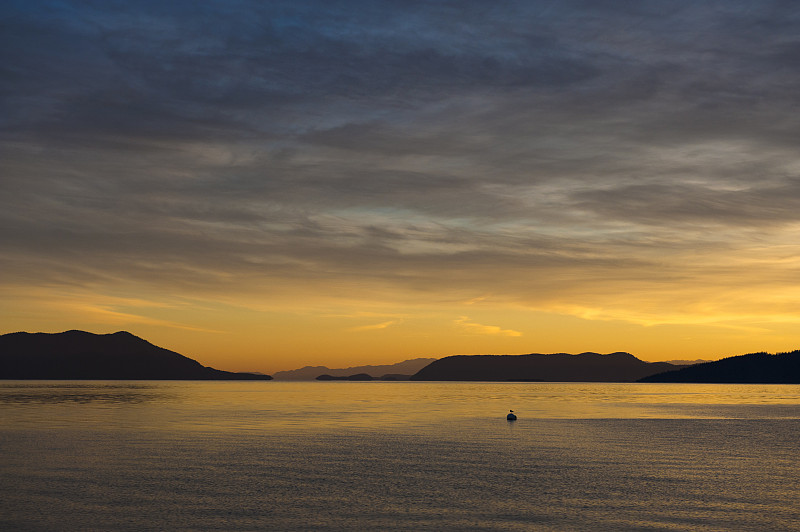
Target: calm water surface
x,y
397,456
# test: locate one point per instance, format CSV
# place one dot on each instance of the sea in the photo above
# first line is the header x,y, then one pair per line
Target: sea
x,y
271,455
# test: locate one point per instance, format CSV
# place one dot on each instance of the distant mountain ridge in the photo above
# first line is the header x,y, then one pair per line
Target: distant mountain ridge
x,y
310,373
556,367
82,355
687,362
753,368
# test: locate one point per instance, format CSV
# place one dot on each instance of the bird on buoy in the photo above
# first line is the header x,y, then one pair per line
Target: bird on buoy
x,y
511,416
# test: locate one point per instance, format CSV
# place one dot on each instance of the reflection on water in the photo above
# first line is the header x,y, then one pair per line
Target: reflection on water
x,y
398,456
72,392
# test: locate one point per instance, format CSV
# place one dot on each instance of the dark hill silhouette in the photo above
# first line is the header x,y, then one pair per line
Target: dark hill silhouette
x,y
82,355
754,368
558,367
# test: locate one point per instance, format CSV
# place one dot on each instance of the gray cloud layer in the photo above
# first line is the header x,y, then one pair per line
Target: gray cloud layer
x,y
429,145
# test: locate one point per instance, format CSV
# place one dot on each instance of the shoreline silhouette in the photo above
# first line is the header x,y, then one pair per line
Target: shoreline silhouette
x,y
80,355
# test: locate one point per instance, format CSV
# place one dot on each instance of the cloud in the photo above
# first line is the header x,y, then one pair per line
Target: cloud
x,y
99,309
464,322
374,327
757,203
622,158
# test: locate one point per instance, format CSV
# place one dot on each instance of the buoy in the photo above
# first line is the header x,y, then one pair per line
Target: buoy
x,y
511,416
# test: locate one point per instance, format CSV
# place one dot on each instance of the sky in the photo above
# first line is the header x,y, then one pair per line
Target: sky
x,y
267,185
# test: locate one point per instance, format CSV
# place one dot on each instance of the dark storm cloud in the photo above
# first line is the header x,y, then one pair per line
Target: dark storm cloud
x,y
189,141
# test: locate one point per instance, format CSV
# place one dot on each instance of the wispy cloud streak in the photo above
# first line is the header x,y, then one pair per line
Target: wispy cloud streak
x,y
374,327
464,322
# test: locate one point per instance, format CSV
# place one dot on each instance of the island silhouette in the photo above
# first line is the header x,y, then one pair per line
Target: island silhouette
x,y
399,371
81,355
753,368
556,367
356,377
